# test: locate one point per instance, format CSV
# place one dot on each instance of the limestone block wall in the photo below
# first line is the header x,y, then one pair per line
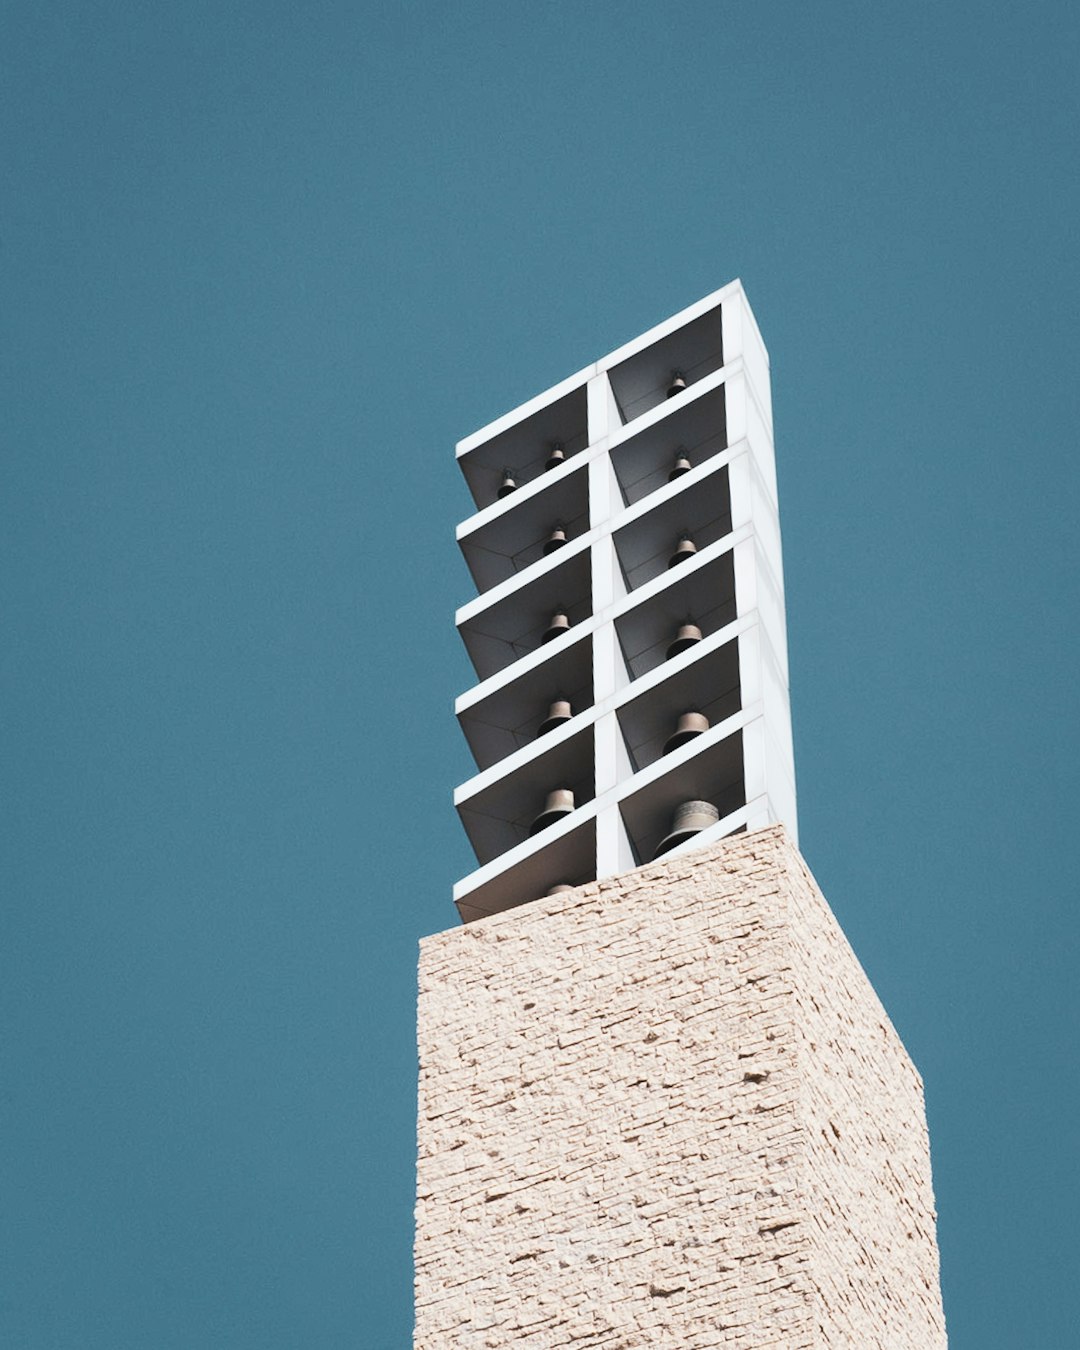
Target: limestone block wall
x,y
667,1110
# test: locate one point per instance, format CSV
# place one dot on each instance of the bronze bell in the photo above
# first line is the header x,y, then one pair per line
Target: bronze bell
x,y
689,819
690,724
559,803
559,624
559,713
508,484
685,638
557,456
556,539
560,888
686,549
682,465
677,385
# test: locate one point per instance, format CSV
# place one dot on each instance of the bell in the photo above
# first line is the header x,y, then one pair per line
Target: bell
x,y
689,819
559,624
686,549
690,724
559,713
555,540
677,385
558,804
685,638
560,888
682,465
557,456
508,484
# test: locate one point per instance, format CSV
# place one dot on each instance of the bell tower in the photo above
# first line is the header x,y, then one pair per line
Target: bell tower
x,y
659,1104
628,635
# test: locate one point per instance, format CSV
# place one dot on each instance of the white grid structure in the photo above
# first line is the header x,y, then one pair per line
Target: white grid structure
x,y
615,432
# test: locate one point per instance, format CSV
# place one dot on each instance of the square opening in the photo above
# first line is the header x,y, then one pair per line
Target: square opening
x,y
515,538
707,682
701,509
714,775
568,859
515,625
701,593
696,429
642,381
501,815
527,447
510,716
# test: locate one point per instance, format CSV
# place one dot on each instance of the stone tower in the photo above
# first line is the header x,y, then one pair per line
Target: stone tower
x,y
660,1104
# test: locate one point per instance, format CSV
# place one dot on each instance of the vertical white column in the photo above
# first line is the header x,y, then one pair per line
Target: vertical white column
x,y
750,674
602,409
752,350
731,327
613,853
768,762
736,413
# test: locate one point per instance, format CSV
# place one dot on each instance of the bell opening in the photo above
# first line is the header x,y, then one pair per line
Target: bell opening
x,y
686,549
689,635
559,624
689,819
559,803
690,726
555,540
559,713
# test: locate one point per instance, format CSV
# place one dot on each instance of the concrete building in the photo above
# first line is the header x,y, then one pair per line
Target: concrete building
x,y
643,503
660,1104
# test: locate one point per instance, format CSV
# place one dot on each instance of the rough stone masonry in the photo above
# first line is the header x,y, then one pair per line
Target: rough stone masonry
x,y
667,1110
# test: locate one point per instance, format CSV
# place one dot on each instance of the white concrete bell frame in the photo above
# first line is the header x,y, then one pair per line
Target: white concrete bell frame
x,y
590,622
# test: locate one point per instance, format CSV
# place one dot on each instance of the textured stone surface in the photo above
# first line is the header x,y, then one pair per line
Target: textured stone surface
x,y
667,1110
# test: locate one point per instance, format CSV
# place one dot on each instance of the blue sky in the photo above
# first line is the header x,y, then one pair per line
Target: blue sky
x,y
262,266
